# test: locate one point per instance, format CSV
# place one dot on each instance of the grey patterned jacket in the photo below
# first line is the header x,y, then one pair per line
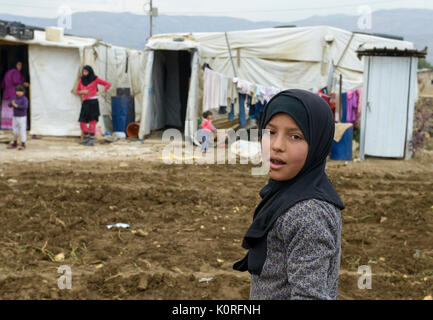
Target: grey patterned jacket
x,y
303,254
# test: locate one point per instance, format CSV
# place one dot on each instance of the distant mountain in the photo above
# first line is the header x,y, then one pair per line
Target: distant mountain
x,y
415,25
130,30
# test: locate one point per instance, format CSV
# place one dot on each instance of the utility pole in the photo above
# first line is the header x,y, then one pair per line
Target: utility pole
x,y
151,12
151,16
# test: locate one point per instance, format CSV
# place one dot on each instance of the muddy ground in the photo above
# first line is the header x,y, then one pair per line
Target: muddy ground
x,y
187,222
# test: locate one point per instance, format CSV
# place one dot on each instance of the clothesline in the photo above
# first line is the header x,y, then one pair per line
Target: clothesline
x,y
350,104
221,91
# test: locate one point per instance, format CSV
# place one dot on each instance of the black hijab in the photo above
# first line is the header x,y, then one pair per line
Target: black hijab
x,y
90,77
310,183
16,62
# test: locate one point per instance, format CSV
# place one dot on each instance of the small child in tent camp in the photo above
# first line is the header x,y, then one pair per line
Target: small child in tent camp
x,y
294,240
207,128
20,104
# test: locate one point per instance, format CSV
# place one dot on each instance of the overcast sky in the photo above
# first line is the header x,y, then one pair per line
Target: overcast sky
x,y
257,10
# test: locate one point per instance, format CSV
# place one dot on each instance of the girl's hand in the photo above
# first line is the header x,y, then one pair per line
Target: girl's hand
x,y
84,92
14,104
100,92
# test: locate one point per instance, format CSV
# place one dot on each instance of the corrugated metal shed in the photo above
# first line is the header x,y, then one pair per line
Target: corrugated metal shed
x,y
389,94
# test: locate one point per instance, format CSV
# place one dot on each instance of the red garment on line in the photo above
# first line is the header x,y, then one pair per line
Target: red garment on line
x,y
330,100
332,103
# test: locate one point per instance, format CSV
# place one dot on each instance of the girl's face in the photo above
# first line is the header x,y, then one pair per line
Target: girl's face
x,y
19,93
85,72
19,66
287,147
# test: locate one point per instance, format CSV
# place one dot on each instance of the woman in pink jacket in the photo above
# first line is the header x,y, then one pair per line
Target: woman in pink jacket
x,y
89,115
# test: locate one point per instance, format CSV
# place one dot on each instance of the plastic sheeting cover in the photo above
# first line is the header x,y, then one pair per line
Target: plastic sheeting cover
x,y
283,57
54,108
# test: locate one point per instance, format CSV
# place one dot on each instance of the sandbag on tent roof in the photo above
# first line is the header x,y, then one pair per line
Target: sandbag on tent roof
x,y
277,57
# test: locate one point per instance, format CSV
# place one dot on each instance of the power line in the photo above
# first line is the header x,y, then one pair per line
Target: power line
x,y
239,10
13,4
151,19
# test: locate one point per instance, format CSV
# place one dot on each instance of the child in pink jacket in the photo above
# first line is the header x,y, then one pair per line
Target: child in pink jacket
x,y
207,129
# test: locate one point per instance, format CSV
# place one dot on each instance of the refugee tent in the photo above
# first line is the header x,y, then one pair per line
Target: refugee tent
x,y
123,68
279,57
54,68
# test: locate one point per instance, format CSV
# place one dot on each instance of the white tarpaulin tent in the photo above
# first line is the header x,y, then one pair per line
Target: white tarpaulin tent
x,y
278,57
54,69
123,68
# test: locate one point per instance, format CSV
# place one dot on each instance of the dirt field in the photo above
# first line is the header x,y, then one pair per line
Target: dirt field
x,y
187,222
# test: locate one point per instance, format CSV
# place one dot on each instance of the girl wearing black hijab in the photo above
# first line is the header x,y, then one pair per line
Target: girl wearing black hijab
x,y
89,115
294,240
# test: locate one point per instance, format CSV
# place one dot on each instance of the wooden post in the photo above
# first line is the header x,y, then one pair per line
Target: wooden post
x,y
151,16
340,104
230,53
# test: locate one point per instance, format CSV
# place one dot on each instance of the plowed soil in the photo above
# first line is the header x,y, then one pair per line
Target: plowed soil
x,y
186,225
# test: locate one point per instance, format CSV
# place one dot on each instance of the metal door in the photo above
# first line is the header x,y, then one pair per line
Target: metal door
x,y
386,108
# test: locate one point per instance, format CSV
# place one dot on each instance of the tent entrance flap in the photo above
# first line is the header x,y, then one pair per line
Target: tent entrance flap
x,y
170,81
10,54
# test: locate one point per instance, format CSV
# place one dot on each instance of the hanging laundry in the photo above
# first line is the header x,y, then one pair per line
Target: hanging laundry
x,y
249,105
240,105
337,116
236,94
324,94
265,93
223,91
253,95
243,98
206,65
207,87
244,86
232,99
352,106
268,93
211,89
343,107
252,113
223,95
332,103
258,110
260,93
359,113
